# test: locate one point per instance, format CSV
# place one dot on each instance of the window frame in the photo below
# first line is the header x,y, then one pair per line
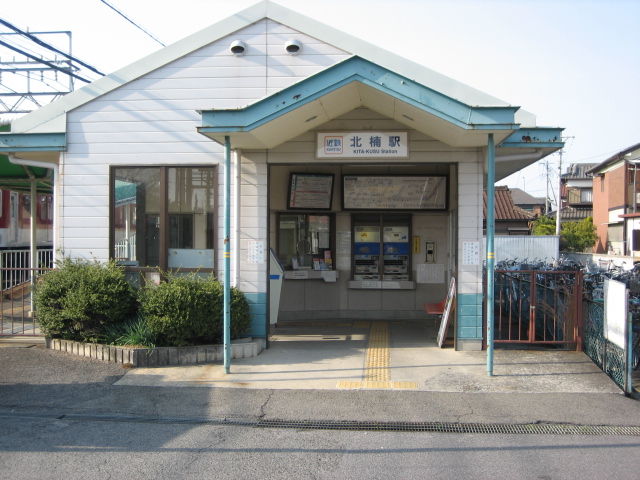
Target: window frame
x,y
315,213
163,260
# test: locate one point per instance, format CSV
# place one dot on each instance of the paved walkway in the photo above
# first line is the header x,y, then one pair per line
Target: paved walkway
x,y
394,355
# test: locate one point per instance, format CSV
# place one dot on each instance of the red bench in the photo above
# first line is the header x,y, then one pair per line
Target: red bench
x,y
435,308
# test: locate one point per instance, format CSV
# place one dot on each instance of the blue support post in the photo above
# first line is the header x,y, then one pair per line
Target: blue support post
x,y
227,254
490,249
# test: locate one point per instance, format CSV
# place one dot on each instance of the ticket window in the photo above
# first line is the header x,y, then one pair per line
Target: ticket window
x,y
305,241
381,247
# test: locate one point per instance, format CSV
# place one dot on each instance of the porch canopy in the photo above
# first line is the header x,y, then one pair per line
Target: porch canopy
x,y
21,177
357,82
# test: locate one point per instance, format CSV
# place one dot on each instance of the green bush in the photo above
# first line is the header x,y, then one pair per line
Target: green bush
x,y
188,310
131,333
78,299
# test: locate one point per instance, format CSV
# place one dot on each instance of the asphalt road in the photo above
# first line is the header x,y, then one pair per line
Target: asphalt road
x,y
63,417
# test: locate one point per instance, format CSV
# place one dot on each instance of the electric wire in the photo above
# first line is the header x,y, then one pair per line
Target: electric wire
x,y
131,21
48,46
44,62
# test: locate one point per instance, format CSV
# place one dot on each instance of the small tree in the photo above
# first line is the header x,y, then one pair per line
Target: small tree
x,y
544,226
578,236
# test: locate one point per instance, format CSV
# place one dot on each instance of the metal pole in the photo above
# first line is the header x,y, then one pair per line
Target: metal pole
x,y
559,209
490,249
33,243
227,254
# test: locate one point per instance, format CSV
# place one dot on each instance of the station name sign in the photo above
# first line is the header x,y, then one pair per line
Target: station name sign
x,y
367,144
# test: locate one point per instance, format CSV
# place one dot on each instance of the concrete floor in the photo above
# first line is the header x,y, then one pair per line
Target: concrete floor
x,y
384,355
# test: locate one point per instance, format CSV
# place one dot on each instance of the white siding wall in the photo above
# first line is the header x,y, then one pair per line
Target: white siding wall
x,y
153,120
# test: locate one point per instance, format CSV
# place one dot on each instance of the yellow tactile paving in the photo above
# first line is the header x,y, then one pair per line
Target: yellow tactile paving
x,y
405,385
377,373
377,359
343,384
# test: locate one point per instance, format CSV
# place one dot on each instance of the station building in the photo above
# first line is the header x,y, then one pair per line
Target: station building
x,y
357,172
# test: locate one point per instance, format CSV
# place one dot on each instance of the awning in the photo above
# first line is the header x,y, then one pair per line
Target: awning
x,y
19,177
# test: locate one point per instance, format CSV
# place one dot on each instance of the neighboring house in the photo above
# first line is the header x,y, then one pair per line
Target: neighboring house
x,y
616,211
527,202
576,193
509,219
270,132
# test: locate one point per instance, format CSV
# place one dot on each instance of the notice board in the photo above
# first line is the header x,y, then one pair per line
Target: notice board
x,y
310,191
394,192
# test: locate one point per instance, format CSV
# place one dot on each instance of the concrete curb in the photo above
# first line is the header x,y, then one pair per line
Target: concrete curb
x,y
157,357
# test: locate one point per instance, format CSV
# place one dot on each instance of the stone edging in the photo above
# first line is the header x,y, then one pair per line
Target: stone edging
x,y
157,357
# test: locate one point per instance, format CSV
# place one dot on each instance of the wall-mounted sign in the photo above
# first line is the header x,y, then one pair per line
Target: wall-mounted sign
x,y
308,191
378,192
255,252
366,144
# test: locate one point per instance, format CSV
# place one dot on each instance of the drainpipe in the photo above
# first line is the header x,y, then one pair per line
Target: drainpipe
x,y
490,249
236,215
227,254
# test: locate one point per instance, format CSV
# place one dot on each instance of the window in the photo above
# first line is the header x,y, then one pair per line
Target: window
x,y
163,216
305,241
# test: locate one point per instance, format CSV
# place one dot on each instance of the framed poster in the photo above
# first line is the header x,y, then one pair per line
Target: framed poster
x,y
394,192
310,191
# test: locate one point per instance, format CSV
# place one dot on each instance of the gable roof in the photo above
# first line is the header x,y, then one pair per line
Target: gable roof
x,y
633,150
520,197
504,207
578,171
52,117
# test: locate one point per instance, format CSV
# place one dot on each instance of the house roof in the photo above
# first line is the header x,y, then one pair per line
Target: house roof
x,y
573,214
578,171
505,209
633,152
520,197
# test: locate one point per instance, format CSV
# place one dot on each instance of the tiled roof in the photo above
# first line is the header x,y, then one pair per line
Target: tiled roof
x,y
505,209
520,197
574,213
578,170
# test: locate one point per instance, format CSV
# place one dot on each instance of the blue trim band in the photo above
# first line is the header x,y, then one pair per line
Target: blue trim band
x,y
356,69
33,142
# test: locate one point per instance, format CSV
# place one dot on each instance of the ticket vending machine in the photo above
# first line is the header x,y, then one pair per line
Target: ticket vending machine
x,y
396,253
366,252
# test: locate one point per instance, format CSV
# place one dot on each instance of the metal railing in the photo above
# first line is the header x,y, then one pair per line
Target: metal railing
x,y
15,266
16,278
605,354
537,307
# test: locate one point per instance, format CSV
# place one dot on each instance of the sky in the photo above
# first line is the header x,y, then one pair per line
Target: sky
x,y
573,63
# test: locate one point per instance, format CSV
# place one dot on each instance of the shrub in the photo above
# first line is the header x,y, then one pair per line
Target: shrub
x,y
80,297
188,310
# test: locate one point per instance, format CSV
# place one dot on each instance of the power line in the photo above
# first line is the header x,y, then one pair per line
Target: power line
x,y
44,62
49,47
130,21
